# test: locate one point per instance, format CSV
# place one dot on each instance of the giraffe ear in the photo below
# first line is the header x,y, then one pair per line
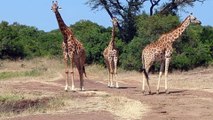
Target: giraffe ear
x,y
60,8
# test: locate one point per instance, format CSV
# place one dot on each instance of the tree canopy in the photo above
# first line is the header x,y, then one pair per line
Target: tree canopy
x,y
126,11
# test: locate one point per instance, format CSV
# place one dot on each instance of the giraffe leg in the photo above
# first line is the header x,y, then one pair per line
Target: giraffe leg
x,y
72,75
166,74
143,84
109,75
81,80
80,71
66,81
107,65
160,76
147,80
67,76
66,68
111,80
110,71
115,71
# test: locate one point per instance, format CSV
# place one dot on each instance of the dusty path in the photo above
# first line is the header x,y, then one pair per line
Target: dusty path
x,y
178,105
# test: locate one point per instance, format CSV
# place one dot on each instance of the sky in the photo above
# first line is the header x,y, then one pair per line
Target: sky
x,y
38,13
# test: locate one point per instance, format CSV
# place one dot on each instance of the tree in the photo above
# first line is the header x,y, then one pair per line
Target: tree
x,y
172,6
125,13
95,38
127,10
9,48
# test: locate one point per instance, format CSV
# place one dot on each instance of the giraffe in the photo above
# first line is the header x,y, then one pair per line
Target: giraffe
x,y
161,51
73,51
111,57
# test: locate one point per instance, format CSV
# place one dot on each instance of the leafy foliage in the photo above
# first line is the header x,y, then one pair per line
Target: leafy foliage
x,y
94,38
194,48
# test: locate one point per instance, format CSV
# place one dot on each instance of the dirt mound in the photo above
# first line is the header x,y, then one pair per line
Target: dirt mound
x,y
22,105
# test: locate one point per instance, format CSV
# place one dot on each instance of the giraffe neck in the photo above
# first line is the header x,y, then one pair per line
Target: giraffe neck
x,y
179,30
112,41
62,26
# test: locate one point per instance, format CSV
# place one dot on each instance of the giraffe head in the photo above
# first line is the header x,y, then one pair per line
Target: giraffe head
x,y
193,19
114,21
55,6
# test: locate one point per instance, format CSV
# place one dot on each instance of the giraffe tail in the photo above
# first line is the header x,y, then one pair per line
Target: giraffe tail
x,y
142,69
144,72
84,71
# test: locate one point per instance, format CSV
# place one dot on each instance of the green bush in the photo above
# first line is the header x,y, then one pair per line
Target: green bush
x,y
95,39
193,49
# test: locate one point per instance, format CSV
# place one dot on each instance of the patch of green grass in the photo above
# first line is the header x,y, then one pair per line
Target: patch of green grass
x,y
32,73
10,97
6,75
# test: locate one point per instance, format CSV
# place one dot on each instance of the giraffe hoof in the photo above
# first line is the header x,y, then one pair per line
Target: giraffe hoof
x,y
150,93
82,89
143,92
117,86
157,92
72,88
66,88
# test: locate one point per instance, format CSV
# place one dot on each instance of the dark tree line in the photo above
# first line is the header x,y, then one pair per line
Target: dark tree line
x,y
137,29
193,49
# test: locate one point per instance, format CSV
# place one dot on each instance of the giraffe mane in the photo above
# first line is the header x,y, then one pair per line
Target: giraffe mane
x,y
179,25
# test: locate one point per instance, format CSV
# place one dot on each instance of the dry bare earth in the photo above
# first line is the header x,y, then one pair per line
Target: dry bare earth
x,y
191,94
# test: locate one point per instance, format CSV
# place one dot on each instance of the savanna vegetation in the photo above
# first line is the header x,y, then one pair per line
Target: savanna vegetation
x,y
193,49
136,29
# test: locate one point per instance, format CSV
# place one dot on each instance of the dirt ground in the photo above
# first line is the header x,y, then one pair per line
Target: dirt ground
x,y
190,98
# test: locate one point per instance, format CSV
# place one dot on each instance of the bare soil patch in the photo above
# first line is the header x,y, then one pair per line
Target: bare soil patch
x,y
190,98
179,104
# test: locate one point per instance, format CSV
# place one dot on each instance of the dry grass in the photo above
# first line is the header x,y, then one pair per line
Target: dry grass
x,y
121,107
197,79
39,69
42,69
50,70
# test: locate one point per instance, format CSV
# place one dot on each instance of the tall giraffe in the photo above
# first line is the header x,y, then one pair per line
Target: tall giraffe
x,y
111,57
73,50
161,51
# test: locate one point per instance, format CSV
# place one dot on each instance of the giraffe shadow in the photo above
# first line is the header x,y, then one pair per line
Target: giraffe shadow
x,y
171,92
126,87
